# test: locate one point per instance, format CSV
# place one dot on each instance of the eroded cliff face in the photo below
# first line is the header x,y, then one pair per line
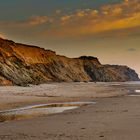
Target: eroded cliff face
x,y
24,64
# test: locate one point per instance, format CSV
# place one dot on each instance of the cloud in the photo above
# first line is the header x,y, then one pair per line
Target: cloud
x,y
110,17
31,21
117,19
58,11
37,20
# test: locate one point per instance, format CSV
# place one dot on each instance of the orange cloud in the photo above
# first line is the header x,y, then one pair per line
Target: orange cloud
x,y
84,22
123,15
31,21
37,20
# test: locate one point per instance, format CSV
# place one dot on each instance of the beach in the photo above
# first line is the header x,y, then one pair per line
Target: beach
x,y
115,116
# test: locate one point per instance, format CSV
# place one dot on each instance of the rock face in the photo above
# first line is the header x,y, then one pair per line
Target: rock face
x,y
24,64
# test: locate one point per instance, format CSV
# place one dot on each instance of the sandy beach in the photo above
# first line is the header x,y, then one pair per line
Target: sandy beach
x,y
15,96
115,116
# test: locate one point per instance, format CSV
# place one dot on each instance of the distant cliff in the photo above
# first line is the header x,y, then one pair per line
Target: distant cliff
x,y
24,64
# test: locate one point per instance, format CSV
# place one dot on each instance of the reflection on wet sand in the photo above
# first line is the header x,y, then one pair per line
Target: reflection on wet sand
x,y
39,110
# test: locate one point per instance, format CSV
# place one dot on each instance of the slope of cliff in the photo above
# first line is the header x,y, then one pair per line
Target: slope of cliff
x,y
24,64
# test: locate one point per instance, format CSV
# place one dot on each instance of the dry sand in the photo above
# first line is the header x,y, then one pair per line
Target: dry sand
x,y
115,117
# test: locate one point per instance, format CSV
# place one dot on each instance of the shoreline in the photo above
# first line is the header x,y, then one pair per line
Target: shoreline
x,y
113,117
13,97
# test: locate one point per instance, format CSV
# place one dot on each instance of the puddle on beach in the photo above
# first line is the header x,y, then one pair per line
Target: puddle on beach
x,y
135,93
39,110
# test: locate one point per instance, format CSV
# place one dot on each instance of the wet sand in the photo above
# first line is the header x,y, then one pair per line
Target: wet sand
x,y
111,118
12,97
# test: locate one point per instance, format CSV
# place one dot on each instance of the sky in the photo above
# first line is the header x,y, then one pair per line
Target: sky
x,y
107,29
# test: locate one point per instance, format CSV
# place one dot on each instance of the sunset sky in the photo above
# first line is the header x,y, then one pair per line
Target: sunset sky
x,y
107,29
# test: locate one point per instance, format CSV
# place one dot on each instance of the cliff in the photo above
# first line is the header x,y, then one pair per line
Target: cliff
x,y
24,64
